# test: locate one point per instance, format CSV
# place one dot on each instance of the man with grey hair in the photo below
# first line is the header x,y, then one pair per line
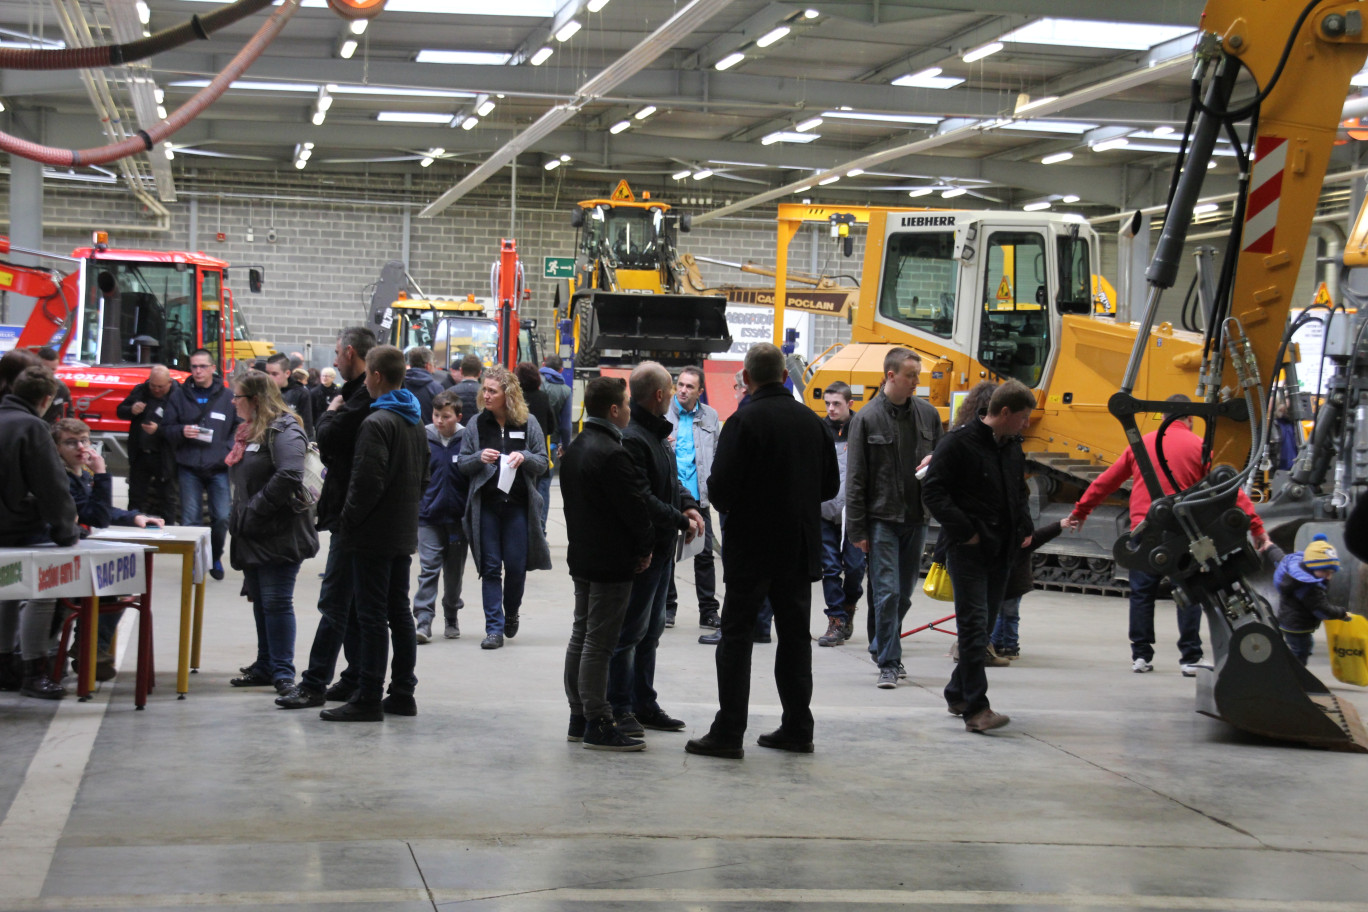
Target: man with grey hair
x,y
152,482
774,467
631,672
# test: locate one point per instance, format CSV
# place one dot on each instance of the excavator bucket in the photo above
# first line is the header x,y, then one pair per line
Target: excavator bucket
x,y
648,323
1258,686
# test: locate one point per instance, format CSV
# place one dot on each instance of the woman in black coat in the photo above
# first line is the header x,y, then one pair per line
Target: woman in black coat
x,y
270,537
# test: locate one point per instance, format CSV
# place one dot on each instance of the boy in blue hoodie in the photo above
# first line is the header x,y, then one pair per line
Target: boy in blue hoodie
x,y
1302,579
441,546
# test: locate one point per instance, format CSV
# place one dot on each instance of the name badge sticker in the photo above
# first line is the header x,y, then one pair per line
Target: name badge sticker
x,y
253,447
218,416
517,435
455,458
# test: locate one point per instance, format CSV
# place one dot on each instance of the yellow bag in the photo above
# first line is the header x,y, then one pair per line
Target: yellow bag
x,y
937,584
1348,645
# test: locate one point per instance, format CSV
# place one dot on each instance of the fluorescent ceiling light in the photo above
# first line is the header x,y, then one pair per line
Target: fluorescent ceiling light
x,y
731,60
855,172
396,91
319,117
929,78
252,86
161,112
347,49
1162,130
1203,208
541,56
477,58
552,165
618,127
325,101
170,152
803,189
1056,158
645,112
594,6
144,14
1119,142
810,14
470,123
771,36
427,160
358,26
702,174
882,118
788,136
1121,36
485,107
680,175
1049,126
1037,206
920,192
810,124
412,117
568,30
828,180
159,96
1211,164
978,53
530,9
953,192
1069,198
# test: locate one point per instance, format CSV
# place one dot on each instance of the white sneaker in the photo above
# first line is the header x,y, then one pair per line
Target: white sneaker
x,y
1140,666
1190,671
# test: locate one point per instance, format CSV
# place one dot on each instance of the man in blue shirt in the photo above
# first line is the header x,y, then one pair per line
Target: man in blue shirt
x,y
695,441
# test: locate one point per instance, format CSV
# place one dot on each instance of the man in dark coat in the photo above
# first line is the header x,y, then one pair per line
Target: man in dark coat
x,y
201,423
378,530
337,630
468,387
419,381
631,675
296,395
152,482
775,464
610,536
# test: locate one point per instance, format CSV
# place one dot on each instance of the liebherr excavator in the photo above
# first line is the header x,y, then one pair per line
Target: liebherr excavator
x,y
1271,75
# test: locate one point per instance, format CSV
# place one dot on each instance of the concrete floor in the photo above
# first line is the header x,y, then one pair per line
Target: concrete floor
x,y
1107,791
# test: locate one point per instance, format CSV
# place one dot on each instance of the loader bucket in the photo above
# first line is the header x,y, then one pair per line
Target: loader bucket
x,y
1258,686
658,322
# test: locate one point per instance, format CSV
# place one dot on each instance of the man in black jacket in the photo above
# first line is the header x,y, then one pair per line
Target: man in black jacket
x,y
419,381
976,489
378,531
631,675
610,538
152,482
296,395
337,630
200,424
775,464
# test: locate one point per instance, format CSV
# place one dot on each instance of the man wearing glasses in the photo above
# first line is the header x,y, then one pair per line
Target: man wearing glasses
x,y
200,423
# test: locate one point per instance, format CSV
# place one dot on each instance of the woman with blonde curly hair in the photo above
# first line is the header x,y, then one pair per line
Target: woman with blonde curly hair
x,y
503,521
270,537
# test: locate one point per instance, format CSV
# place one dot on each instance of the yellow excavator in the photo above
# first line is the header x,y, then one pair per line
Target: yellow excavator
x,y
985,295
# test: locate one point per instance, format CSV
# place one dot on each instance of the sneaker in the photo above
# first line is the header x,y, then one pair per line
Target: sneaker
x,y
576,730
628,725
453,630
710,618
300,697
603,735
424,632
216,571
493,641
902,672
659,720
669,619
834,635
1140,666
888,678
848,629
985,720
1190,670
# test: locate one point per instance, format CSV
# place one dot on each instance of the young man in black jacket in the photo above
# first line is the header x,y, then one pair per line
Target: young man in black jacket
x,y
201,423
631,677
610,538
152,482
378,531
336,631
976,488
296,395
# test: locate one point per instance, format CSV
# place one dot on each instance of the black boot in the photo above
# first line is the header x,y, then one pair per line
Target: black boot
x,y
11,672
38,684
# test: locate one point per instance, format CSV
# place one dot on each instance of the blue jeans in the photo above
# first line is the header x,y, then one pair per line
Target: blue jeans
x,y
895,551
1144,589
439,556
503,561
842,571
382,613
1008,626
1299,644
979,582
631,671
337,630
192,488
270,587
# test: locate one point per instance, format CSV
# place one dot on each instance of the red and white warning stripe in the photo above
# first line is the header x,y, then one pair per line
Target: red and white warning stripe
x,y
1261,215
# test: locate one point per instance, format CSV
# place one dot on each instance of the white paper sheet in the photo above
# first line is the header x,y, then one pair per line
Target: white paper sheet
x,y
687,550
506,473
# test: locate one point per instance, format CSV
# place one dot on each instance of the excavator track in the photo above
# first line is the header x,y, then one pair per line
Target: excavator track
x,y
1074,563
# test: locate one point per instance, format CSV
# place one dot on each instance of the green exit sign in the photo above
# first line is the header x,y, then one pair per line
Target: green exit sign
x,y
558,267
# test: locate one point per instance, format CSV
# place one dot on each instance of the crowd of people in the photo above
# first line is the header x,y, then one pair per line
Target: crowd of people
x,y
457,464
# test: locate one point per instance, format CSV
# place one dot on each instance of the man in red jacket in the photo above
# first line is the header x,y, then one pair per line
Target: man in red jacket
x,y
1183,453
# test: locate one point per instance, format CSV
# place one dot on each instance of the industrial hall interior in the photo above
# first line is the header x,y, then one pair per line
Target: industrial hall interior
x,y
927,441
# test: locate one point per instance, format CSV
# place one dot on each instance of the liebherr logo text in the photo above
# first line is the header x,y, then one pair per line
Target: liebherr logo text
x,y
928,221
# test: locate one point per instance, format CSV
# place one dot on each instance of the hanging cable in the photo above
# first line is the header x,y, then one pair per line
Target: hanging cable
x,y
145,140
